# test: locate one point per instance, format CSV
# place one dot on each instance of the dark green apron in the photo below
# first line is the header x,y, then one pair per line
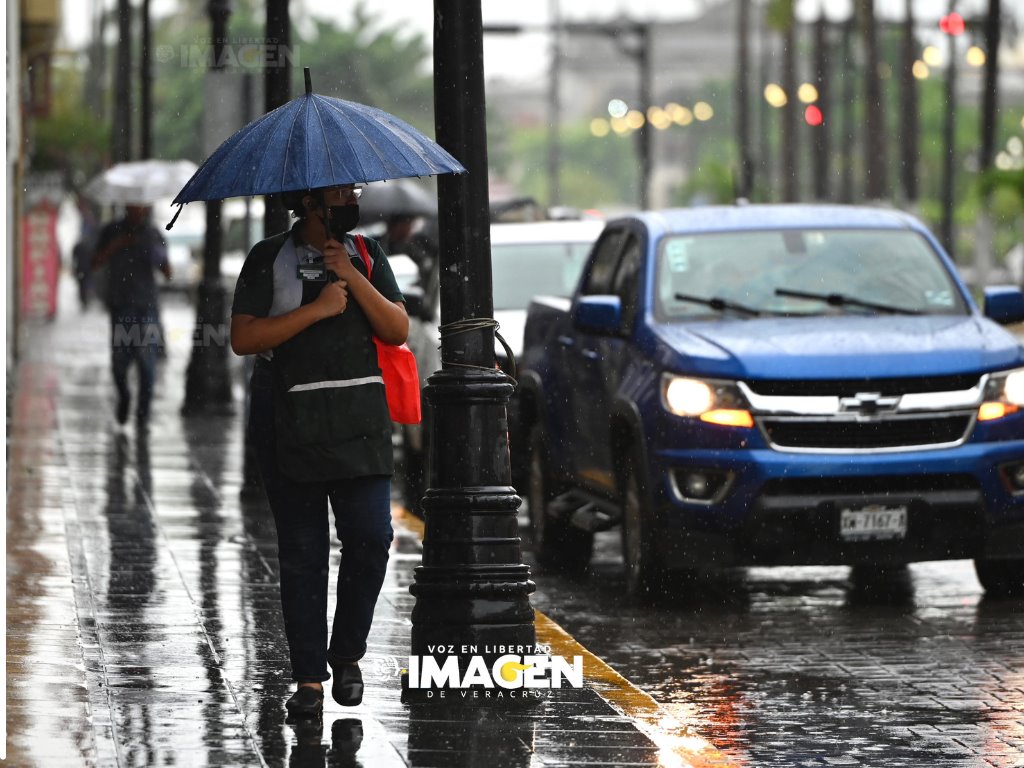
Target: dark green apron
x,y
330,413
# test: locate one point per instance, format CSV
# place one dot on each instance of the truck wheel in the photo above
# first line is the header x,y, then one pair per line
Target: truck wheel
x,y
557,545
645,575
1001,578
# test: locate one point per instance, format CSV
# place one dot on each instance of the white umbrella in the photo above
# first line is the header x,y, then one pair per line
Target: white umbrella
x,y
140,183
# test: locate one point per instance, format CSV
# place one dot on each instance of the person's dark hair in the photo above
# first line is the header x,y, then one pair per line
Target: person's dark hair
x,y
293,202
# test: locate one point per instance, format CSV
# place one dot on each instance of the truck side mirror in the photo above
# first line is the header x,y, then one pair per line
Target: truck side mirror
x,y
598,314
1004,304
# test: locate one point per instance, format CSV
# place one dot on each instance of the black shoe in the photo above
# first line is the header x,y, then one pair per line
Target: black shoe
x,y
305,702
347,688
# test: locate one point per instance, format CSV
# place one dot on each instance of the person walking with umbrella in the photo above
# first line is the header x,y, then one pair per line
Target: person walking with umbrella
x,y
306,306
309,303
131,251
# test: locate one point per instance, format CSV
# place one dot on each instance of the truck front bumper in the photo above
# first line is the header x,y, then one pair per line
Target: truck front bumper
x,y
781,508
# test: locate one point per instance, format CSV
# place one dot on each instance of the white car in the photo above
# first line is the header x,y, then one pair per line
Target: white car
x,y
540,258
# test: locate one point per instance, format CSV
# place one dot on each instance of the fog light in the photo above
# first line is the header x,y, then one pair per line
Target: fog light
x,y
1014,474
700,486
697,485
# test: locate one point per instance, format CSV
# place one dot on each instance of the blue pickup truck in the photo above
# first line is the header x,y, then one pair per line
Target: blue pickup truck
x,y
775,385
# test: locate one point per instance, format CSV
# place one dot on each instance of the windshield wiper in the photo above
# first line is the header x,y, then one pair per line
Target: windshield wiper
x,y
841,300
720,305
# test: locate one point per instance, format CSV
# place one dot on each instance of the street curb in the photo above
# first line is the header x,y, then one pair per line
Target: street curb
x,y
680,746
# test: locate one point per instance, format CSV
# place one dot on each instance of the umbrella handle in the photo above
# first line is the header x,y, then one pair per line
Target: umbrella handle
x,y
174,218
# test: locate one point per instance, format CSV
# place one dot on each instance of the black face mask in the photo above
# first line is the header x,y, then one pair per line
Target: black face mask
x,y
343,218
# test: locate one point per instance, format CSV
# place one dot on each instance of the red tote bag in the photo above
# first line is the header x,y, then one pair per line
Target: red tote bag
x,y
397,366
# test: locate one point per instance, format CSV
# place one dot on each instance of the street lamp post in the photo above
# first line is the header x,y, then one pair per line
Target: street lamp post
x,y
121,131
207,381
952,25
472,589
277,91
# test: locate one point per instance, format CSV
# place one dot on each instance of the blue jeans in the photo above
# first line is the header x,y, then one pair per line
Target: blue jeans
x,y
362,518
134,338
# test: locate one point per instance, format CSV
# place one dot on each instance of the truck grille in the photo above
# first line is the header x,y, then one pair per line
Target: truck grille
x,y
843,387
849,434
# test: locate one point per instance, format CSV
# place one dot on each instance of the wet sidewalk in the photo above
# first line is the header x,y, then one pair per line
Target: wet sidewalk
x,y
143,623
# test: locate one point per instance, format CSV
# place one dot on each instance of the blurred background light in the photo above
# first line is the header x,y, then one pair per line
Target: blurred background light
x,y
807,93
775,96
617,108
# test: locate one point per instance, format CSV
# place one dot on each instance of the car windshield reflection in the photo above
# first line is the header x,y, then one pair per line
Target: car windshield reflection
x,y
774,272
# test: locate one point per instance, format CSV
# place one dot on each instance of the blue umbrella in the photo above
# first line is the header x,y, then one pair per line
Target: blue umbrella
x,y
316,141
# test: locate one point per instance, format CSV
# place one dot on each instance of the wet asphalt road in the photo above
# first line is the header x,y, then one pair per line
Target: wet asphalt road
x,y
816,666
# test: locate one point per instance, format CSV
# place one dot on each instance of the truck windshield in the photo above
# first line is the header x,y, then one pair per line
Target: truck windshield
x,y
521,271
876,271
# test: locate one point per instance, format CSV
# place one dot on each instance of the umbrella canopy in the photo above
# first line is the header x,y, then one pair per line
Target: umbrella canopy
x,y
401,197
140,183
316,141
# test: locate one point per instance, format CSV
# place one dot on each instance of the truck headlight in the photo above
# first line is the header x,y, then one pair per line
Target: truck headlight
x,y
1004,394
710,400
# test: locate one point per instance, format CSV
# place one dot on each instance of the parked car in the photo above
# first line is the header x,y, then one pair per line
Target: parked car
x,y
527,259
184,245
242,223
776,385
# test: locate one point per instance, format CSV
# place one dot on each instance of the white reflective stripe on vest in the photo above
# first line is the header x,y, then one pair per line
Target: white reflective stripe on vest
x,y
337,384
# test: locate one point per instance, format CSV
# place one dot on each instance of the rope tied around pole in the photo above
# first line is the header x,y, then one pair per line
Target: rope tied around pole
x,y
470,325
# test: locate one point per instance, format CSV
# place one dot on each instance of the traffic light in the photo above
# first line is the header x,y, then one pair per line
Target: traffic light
x,y
952,24
813,115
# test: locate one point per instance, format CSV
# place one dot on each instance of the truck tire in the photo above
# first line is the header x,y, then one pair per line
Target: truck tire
x,y
1001,578
646,577
557,545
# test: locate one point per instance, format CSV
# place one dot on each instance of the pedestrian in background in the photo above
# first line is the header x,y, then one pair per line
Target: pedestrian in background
x,y
82,252
130,251
304,304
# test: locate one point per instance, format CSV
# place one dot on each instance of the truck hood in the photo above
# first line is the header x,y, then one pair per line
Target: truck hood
x,y
839,347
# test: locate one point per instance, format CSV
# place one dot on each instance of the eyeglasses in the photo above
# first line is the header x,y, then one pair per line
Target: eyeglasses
x,y
349,194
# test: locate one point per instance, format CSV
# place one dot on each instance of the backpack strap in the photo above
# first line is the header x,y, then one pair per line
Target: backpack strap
x,y
361,247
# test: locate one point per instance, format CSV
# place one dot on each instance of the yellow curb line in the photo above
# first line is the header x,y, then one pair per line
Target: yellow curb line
x,y
679,746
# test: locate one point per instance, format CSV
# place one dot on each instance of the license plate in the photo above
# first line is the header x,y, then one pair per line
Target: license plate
x,y
872,522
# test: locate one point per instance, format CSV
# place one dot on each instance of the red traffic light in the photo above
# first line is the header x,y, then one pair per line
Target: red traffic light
x,y
813,115
952,24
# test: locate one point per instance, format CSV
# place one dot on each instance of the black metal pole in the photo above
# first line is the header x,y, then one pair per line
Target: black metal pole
x,y
146,76
789,158
121,133
946,232
472,588
276,92
909,128
849,137
990,91
554,107
822,150
207,379
745,173
644,133
876,174
766,121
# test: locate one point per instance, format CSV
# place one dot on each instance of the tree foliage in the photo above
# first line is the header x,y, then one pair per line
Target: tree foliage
x,y
351,57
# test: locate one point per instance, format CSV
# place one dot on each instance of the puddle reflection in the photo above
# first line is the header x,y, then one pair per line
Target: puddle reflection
x,y
131,591
468,737
309,750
